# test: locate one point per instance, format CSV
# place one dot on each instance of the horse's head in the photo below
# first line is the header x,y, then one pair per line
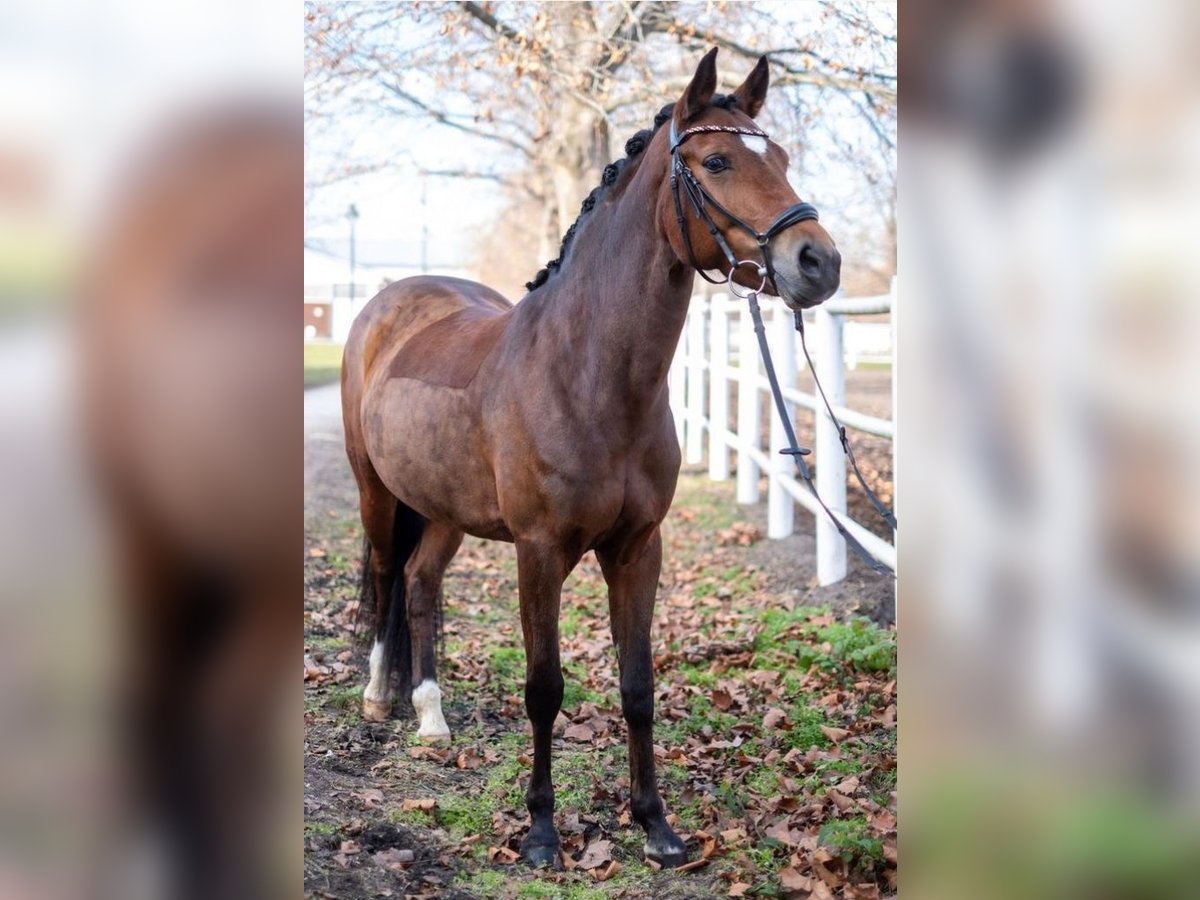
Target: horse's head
x,y
731,178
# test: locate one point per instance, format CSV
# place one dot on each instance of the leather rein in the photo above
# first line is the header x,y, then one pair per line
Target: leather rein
x,y
684,183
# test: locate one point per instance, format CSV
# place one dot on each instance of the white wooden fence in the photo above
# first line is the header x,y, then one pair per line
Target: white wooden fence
x,y
718,348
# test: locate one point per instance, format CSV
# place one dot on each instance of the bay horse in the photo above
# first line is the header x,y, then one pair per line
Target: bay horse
x,y
546,423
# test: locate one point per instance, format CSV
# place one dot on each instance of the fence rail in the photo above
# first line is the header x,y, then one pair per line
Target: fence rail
x,y
716,353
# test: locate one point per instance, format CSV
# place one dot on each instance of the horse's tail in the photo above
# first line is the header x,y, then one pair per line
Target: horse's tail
x,y
391,621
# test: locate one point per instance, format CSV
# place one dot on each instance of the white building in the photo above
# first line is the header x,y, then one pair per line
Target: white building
x,y
331,302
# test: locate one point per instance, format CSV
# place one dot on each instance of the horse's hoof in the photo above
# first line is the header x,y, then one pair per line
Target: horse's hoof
x,y
542,856
376,710
667,855
437,737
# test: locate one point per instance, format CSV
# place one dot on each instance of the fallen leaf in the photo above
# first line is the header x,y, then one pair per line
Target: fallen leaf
x,y
502,855
848,785
598,853
579,733
792,880
607,872
394,859
782,832
884,821
773,718
371,797
721,699
733,836
842,802
425,803
440,754
347,849
738,889
469,759
834,734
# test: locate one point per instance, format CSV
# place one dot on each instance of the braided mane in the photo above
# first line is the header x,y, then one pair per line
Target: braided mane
x,y
633,148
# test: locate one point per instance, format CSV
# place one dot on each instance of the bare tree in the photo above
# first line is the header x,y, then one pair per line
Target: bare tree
x,y
543,90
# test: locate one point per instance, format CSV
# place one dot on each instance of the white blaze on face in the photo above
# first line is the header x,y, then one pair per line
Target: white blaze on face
x,y
377,689
755,143
427,701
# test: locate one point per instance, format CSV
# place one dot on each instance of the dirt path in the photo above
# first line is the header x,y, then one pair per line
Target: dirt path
x,y
776,734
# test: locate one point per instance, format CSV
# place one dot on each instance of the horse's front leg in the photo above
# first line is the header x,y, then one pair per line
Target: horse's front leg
x,y
541,570
631,593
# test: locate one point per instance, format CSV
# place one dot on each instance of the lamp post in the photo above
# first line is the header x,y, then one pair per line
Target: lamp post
x,y
352,217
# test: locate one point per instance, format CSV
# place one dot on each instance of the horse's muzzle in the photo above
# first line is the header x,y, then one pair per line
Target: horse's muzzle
x,y
820,269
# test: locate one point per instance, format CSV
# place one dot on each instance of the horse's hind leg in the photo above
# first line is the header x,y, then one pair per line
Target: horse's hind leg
x,y
378,510
631,593
424,574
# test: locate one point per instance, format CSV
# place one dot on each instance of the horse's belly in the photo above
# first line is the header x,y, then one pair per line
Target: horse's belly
x,y
424,443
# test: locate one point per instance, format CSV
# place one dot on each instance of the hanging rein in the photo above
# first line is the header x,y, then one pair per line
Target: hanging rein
x,y
684,183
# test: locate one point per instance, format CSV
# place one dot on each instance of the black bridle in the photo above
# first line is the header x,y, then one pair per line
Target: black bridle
x,y
684,180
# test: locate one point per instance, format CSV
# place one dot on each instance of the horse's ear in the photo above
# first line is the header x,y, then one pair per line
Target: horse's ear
x,y
753,91
700,92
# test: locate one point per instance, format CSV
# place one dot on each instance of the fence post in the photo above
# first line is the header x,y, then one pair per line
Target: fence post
x,y
718,390
677,386
694,444
781,509
747,409
830,461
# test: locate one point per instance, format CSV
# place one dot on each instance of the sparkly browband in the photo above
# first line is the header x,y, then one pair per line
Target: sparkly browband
x,y
676,140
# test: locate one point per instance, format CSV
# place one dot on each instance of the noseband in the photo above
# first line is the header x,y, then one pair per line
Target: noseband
x,y
684,180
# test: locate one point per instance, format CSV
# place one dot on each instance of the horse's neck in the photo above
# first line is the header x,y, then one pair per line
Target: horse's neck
x,y
623,300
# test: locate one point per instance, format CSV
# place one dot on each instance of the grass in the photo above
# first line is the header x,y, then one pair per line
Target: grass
x,y
322,363
462,816
806,727
410,817
860,644
857,645
328,643
507,665
808,652
345,698
850,839
485,882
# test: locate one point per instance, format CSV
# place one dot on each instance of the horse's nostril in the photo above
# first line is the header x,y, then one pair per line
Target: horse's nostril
x,y
810,262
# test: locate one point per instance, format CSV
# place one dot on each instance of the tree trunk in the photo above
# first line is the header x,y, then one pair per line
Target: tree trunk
x,y
579,159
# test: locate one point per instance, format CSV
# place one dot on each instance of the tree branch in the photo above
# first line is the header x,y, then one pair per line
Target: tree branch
x,y
443,118
478,12
808,76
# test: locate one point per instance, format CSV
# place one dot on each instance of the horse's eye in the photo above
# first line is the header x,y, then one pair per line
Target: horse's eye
x,y
716,164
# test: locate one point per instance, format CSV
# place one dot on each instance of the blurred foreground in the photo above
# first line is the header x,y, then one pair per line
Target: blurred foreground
x,y
1049,358
150,263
